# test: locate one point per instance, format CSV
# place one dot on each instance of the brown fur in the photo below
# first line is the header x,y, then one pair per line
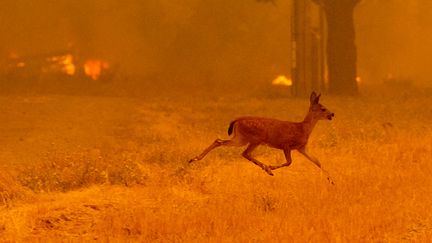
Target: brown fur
x,y
284,135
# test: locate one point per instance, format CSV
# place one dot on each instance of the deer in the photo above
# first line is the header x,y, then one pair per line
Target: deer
x,y
278,134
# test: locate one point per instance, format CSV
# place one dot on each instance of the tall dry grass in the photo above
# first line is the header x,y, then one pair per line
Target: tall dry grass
x,y
377,150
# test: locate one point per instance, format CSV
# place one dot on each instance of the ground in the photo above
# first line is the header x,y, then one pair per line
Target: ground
x,y
103,168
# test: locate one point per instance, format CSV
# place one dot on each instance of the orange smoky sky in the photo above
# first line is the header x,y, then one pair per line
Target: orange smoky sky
x,y
211,42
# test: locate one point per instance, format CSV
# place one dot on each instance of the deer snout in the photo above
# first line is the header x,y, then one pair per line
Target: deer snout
x,y
330,116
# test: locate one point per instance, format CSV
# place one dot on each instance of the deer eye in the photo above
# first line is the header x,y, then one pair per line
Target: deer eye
x,y
323,109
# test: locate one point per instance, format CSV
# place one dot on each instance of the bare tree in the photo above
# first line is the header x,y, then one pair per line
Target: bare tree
x,y
341,50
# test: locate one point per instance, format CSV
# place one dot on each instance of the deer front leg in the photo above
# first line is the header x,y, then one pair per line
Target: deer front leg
x,y
309,157
287,153
304,151
247,155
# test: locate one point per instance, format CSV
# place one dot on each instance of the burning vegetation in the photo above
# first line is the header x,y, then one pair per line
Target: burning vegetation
x,y
282,80
94,68
55,65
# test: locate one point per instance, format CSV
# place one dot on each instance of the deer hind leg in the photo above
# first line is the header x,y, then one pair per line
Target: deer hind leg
x,y
218,143
247,155
287,153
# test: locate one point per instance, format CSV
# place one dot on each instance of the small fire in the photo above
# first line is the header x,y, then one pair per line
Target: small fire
x,y
94,68
282,80
64,62
68,65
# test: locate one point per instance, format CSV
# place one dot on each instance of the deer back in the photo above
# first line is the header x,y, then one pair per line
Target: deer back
x,y
273,132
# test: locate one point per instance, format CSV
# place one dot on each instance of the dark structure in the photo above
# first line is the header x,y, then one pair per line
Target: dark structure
x,y
324,54
308,69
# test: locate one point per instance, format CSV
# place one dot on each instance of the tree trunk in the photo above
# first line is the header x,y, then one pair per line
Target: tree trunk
x,y
341,48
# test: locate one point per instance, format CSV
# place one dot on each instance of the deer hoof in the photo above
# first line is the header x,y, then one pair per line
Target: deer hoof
x,y
192,160
268,170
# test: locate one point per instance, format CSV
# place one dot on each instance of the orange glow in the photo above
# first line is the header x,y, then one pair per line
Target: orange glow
x,y
69,66
93,68
358,80
13,55
282,80
66,63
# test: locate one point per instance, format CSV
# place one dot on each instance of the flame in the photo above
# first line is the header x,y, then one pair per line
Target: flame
x,y
282,80
93,68
66,63
69,67
358,79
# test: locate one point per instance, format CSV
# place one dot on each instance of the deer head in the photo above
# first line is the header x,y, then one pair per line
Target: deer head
x,y
318,111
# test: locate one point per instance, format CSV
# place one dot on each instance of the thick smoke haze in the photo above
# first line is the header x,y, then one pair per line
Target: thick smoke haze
x,y
211,42
395,38
187,40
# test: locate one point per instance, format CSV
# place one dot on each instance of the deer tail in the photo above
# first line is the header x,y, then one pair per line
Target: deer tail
x,y
231,126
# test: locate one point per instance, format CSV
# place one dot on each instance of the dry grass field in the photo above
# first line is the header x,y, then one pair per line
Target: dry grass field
x,y
114,169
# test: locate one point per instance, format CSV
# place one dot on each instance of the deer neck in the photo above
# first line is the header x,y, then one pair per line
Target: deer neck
x,y
309,123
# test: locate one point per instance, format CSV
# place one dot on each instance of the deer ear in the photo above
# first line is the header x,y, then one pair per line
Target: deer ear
x,y
313,97
317,99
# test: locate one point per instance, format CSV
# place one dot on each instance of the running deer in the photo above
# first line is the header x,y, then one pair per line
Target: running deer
x,y
284,135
